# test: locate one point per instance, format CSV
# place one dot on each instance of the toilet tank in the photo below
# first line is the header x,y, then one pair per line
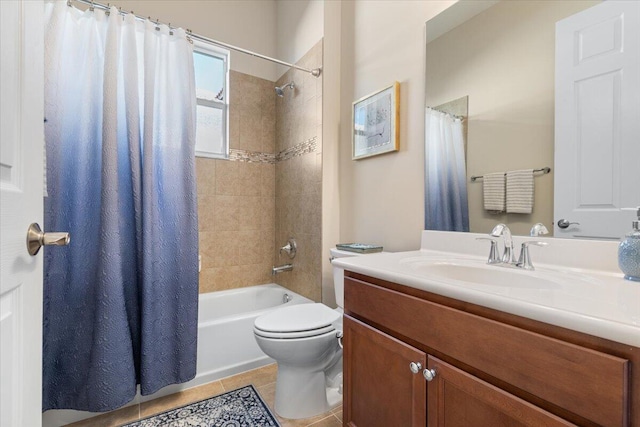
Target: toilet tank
x,y
338,274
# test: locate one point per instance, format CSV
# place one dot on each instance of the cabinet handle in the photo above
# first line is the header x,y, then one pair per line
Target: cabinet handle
x,y
415,367
429,374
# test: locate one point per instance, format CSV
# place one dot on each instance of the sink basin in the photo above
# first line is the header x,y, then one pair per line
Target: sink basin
x,y
478,273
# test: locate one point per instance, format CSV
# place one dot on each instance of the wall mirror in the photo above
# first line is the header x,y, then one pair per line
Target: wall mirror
x,y
491,107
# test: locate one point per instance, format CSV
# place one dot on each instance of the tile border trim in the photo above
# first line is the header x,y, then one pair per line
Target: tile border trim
x,y
305,147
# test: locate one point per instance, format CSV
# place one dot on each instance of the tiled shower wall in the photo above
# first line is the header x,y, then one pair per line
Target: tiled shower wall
x,y
236,198
269,190
299,177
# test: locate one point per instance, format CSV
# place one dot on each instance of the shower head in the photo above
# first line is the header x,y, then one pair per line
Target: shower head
x,y
280,90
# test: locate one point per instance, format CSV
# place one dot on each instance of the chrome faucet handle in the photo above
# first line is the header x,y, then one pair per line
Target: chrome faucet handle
x,y
290,248
508,256
494,256
538,230
524,261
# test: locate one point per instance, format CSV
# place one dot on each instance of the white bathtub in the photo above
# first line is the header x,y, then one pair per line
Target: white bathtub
x,y
226,345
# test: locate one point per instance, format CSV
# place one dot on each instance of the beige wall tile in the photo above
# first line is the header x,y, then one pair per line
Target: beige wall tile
x,y
206,212
208,280
251,128
205,175
268,132
226,177
264,204
227,210
248,179
234,125
267,180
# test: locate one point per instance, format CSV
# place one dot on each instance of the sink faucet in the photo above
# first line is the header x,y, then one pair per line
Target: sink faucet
x,y
538,230
508,256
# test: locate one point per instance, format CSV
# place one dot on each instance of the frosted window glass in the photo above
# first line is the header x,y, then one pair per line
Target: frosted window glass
x,y
209,136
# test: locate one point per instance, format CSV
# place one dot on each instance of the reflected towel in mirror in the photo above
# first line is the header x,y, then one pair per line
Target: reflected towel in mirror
x,y
493,190
520,191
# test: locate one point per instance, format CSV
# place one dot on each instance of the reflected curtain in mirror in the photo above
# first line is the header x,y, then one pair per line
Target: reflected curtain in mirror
x,y
446,206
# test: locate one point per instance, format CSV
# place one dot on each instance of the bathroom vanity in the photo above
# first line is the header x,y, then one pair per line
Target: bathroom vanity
x,y
552,349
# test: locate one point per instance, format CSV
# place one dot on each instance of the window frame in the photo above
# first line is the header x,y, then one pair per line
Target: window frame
x,y
224,55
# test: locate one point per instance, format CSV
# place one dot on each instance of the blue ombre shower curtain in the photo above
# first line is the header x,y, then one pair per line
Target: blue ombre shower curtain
x,y
120,303
446,205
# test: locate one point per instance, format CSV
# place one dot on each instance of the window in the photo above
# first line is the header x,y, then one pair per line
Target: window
x,y
212,93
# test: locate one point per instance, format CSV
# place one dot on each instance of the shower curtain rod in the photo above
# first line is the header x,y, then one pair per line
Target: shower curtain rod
x,y
462,118
314,72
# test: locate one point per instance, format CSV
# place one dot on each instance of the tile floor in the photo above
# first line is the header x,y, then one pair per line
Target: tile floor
x,y
263,379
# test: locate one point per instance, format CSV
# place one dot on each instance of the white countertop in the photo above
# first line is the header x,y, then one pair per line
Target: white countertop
x,y
589,294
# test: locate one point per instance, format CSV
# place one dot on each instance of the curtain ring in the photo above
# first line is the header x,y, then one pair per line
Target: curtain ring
x,y
91,8
170,29
157,25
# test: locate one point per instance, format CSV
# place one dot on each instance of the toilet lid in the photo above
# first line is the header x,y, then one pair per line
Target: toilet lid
x,y
298,318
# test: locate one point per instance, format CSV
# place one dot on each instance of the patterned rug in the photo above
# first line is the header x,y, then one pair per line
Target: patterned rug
x,y
238,408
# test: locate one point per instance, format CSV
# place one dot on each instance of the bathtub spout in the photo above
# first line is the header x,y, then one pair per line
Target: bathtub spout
x,y
281,268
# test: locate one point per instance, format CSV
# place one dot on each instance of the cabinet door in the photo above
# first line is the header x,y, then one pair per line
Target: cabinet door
x,y
456,398
380,388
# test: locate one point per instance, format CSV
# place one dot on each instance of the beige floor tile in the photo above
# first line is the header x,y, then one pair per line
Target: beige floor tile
x,y
179,399
258,377
338,415
110,419
268,393
330,421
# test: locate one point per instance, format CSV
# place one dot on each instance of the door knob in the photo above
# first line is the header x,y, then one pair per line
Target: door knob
x,y
564,223
415,367
36,239
429,374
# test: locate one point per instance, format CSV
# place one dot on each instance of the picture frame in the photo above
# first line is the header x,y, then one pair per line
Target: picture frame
x,y
376,118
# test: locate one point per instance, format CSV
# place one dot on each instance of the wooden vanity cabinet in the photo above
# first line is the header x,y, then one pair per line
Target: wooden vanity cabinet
x,y
491,368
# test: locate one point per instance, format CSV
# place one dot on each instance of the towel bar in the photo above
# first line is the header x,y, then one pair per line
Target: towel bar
x,y
545,170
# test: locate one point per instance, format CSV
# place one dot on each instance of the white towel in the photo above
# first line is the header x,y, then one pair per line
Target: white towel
x,y
520,191
493,191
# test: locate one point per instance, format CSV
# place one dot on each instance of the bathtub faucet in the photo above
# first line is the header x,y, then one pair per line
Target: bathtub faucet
x,y
281,268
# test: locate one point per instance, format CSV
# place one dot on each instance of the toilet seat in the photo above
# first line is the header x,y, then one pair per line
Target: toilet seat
x,y
297,321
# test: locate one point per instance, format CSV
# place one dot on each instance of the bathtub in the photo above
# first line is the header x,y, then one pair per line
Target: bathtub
x,y
226,345
225,340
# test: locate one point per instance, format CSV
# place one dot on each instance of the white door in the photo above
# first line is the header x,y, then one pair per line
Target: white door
x,y
21,187
597,120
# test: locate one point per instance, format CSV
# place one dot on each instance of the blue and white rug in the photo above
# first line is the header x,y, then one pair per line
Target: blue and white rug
x,y
238,408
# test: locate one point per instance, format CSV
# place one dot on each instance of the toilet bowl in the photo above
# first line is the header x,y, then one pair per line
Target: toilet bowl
x,y
306,342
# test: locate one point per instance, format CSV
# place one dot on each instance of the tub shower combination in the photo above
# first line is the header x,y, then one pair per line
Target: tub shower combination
x,y
226,345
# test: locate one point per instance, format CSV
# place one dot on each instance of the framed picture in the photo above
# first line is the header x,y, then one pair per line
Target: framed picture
x,y
376,119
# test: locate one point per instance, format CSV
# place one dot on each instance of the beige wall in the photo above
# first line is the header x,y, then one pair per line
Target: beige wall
x,y
330,143
381,198
299,177
250,24
236,205
299,27
503,59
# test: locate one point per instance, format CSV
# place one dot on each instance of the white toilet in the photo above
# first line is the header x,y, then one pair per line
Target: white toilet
x,y
305,341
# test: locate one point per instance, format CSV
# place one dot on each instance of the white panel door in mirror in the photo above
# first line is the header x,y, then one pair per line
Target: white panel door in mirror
x,y
597,120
